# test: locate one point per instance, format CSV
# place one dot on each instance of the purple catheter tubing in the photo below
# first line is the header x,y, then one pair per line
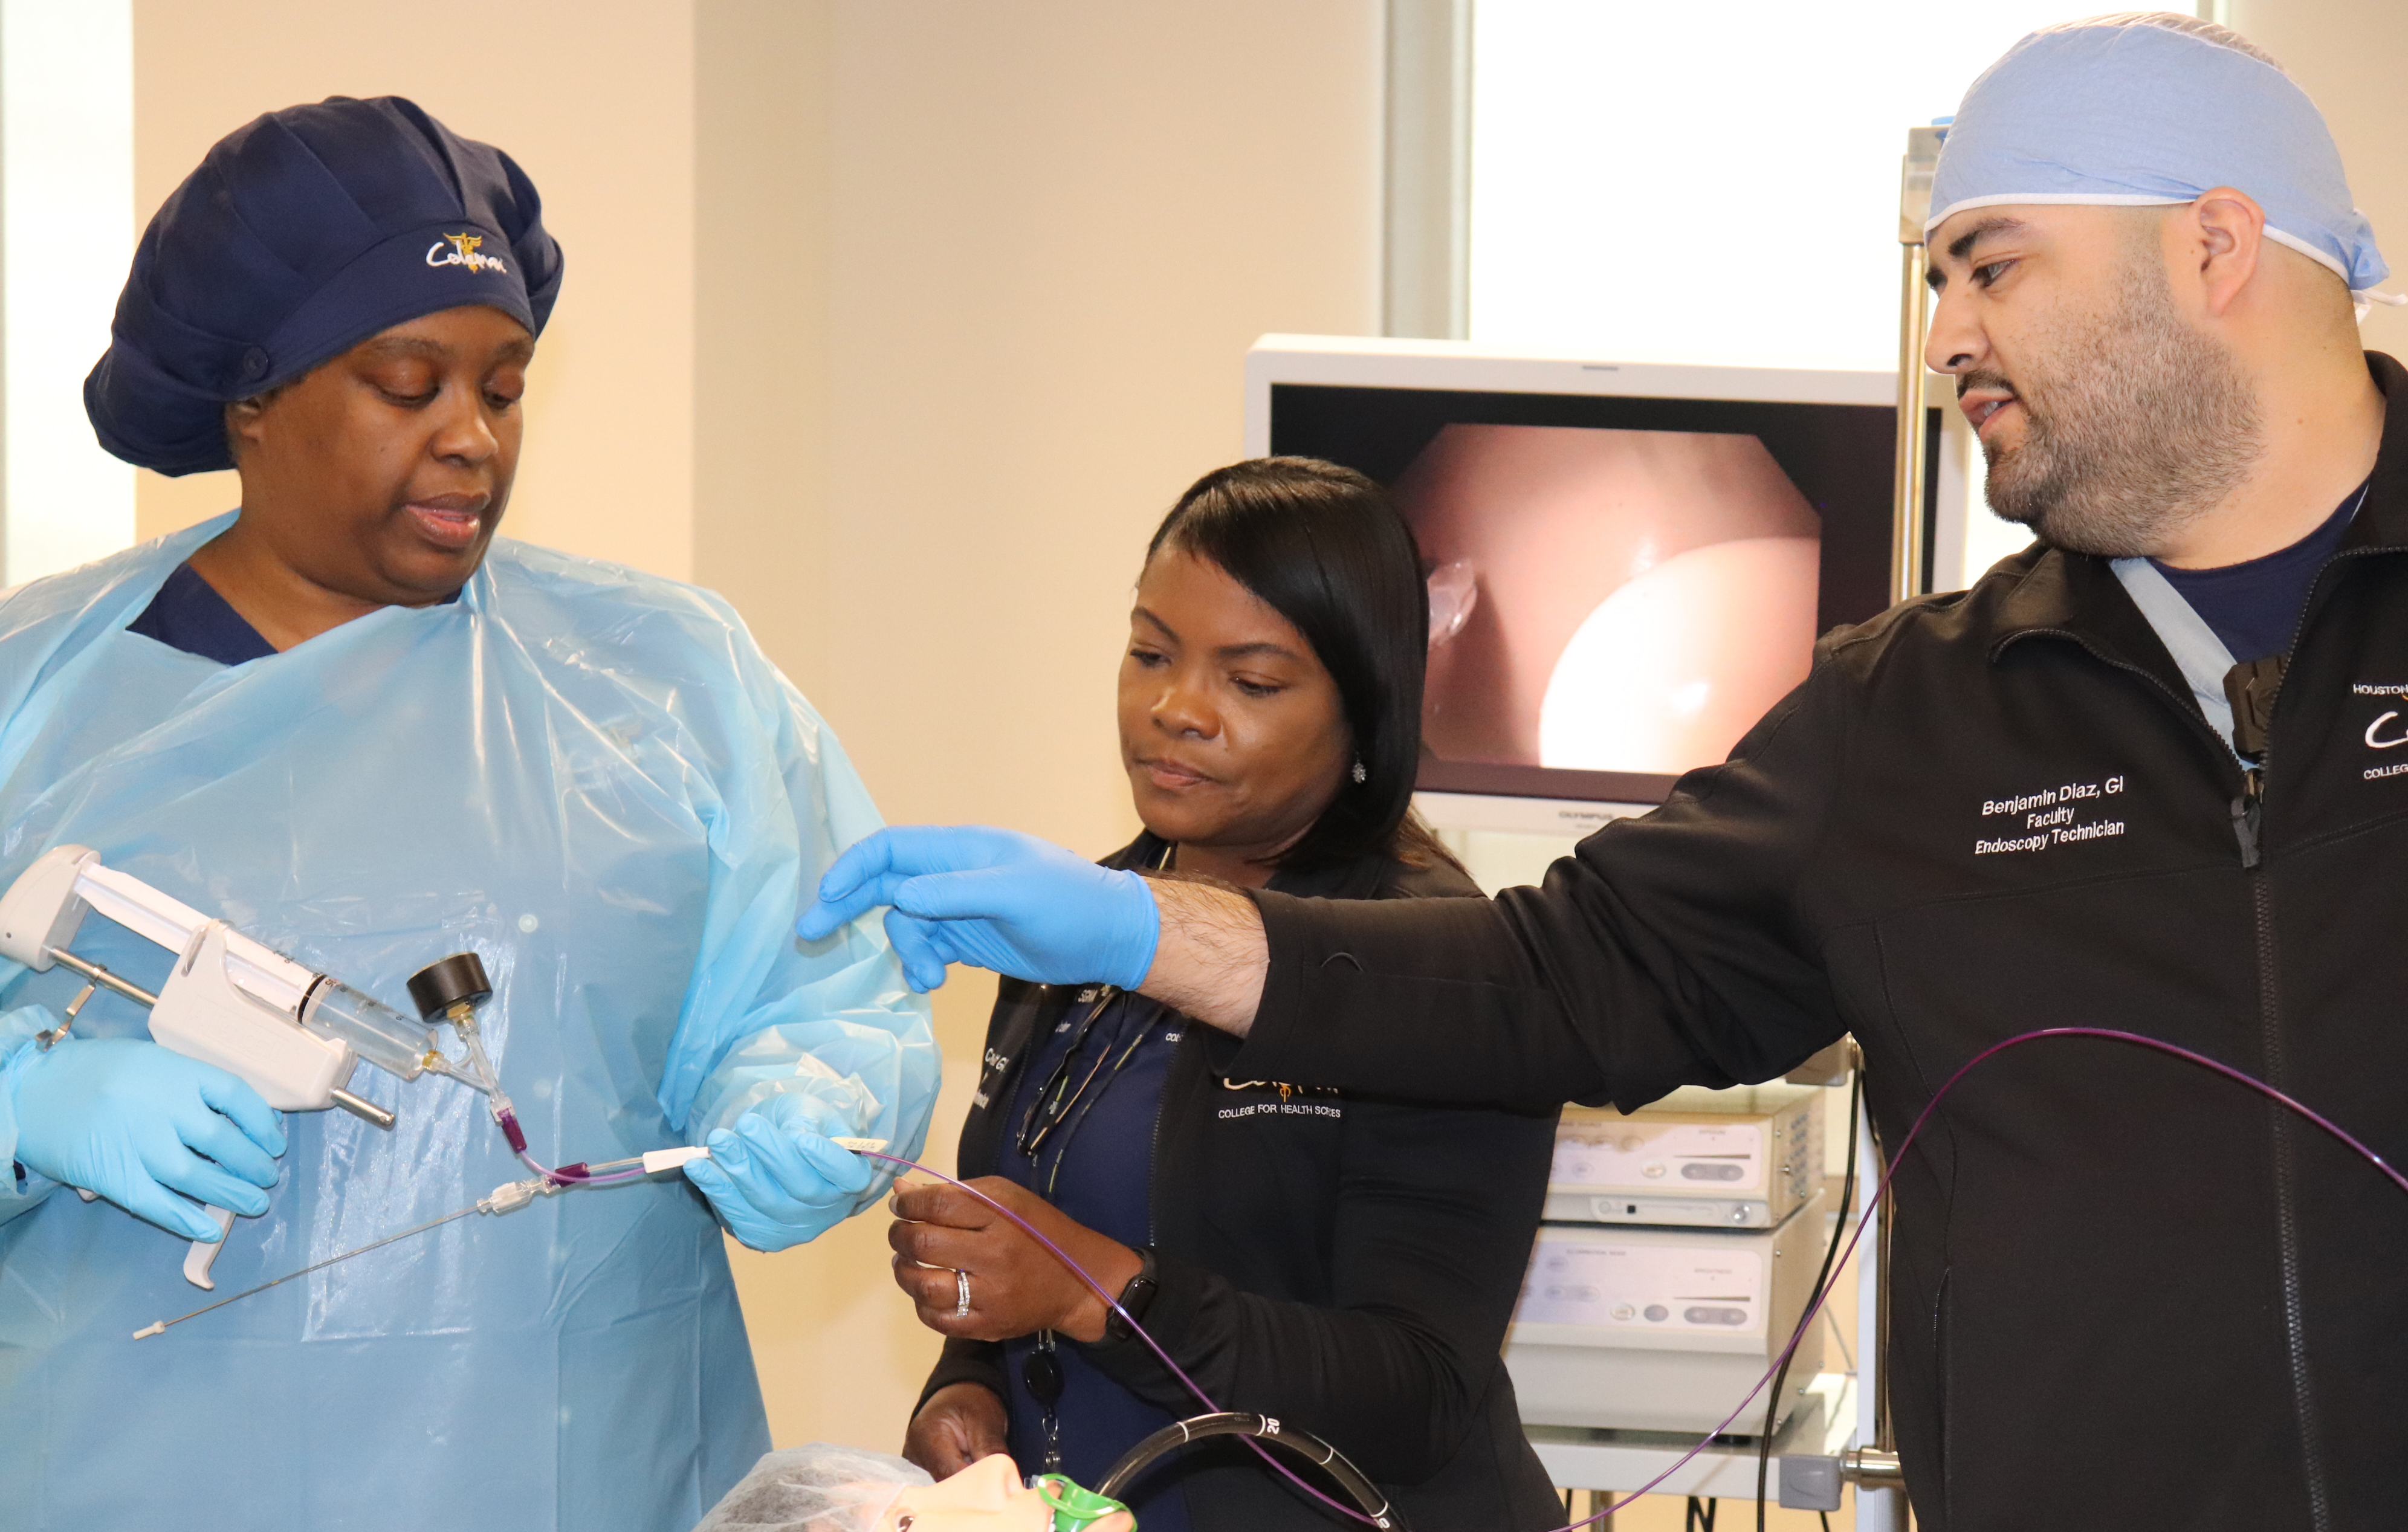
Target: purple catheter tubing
x,y
1814,1310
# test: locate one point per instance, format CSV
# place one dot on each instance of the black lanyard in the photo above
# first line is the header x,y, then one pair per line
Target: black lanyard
x,y
1057,1100
1056,1103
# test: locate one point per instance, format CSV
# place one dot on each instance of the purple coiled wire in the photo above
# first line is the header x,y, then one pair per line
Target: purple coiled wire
x,y
1814,1310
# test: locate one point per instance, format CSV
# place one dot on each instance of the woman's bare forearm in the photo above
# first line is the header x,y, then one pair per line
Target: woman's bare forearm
x,y
1211,957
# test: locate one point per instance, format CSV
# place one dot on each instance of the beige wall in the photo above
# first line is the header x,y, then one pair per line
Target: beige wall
x,y
761,308
2348,54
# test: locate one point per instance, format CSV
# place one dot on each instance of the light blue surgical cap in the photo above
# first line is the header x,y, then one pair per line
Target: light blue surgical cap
x,y
2149,108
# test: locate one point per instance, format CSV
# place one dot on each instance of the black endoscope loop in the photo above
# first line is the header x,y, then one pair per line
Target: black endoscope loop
x,y
1264,1428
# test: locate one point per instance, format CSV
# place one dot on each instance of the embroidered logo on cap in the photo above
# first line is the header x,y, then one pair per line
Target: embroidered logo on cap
x,y
462,252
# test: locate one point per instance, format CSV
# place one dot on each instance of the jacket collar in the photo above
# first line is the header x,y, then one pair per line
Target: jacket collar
x,y
2077,595
1358,879
2382,522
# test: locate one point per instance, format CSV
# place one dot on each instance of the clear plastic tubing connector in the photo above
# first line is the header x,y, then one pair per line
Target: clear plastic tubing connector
x,y
376,1031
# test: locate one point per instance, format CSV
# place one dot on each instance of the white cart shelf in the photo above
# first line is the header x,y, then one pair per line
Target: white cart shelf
x,y
1824,1423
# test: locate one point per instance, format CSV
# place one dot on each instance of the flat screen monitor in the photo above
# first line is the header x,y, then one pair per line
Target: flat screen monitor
x,y
1627,564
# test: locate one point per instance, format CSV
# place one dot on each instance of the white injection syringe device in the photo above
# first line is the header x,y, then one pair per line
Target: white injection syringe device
x,y
294,1036
291,1034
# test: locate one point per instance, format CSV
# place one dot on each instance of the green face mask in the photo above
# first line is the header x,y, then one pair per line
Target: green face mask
x,y
1074,1508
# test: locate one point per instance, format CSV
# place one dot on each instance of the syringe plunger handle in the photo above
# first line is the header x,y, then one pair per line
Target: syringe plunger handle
x,y
446,982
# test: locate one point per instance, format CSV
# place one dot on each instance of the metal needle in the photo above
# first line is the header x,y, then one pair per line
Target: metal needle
x,y
433,1223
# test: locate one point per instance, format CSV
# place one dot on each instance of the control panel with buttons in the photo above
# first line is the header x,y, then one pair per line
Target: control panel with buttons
x,y
1742,1158
1659,1329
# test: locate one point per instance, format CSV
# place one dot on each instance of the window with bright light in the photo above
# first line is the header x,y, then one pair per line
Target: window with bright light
x,y
1661,181
66,237
1657,180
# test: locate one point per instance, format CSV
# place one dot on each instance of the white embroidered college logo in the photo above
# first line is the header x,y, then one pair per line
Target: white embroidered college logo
x,y
2386,732
462,252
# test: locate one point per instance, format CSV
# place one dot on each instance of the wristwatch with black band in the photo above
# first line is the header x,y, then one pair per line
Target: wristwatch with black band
x,y
1136,1299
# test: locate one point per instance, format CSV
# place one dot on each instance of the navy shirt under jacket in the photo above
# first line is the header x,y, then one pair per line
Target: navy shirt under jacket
x,y
189,614
1096,1165
2256,607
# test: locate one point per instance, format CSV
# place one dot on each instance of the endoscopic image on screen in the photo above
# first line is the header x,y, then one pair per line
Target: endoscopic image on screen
x,y
1650,595
1620,586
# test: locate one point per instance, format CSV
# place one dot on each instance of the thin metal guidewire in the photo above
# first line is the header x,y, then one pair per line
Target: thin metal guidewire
x,y
556,1178
278,1282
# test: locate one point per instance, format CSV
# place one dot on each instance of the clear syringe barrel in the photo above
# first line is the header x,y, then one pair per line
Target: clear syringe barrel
x,y
376,1031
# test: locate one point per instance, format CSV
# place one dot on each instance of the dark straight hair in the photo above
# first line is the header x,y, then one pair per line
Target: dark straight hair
x,y
1321,545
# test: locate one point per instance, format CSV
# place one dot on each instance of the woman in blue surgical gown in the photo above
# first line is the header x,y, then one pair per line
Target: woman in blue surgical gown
x,y
349,722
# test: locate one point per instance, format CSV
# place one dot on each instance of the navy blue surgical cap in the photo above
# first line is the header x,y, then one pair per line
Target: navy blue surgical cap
x,y
303,233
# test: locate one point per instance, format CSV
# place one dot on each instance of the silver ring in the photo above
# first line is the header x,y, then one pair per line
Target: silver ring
x,y
961,1294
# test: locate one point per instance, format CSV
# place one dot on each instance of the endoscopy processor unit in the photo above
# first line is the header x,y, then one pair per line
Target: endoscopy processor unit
x,y
1744,1158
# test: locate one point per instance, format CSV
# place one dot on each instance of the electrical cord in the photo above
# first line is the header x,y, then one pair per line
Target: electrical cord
x,y
1830,1253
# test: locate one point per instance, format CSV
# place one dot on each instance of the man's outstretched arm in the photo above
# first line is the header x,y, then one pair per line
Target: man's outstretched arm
x,y
1356,1007
1211,957
1674,949
1025,907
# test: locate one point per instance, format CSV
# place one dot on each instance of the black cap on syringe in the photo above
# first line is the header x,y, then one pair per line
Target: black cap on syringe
x,y
457,979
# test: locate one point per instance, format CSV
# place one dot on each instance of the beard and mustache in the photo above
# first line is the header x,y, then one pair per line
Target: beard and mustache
x,y
2134,427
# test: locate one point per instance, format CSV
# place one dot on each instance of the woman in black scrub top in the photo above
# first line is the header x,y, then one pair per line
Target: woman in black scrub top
x,y
1344,1263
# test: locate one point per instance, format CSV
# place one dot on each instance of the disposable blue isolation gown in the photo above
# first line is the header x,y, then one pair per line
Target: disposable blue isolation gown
x,y
593,779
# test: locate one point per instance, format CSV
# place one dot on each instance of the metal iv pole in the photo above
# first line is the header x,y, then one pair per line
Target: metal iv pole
x,y
1908,549
1873,1468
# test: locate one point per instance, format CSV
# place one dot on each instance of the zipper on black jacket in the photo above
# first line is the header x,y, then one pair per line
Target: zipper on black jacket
x,y
2248,817
2248,813
2287,1224
2248,809
2247,823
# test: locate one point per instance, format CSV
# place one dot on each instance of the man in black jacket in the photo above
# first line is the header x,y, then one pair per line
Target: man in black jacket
x,y
2128,1292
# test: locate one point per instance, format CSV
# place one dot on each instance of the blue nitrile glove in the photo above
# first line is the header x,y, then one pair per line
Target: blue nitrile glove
x,y
775,1179
994,898
131,1121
